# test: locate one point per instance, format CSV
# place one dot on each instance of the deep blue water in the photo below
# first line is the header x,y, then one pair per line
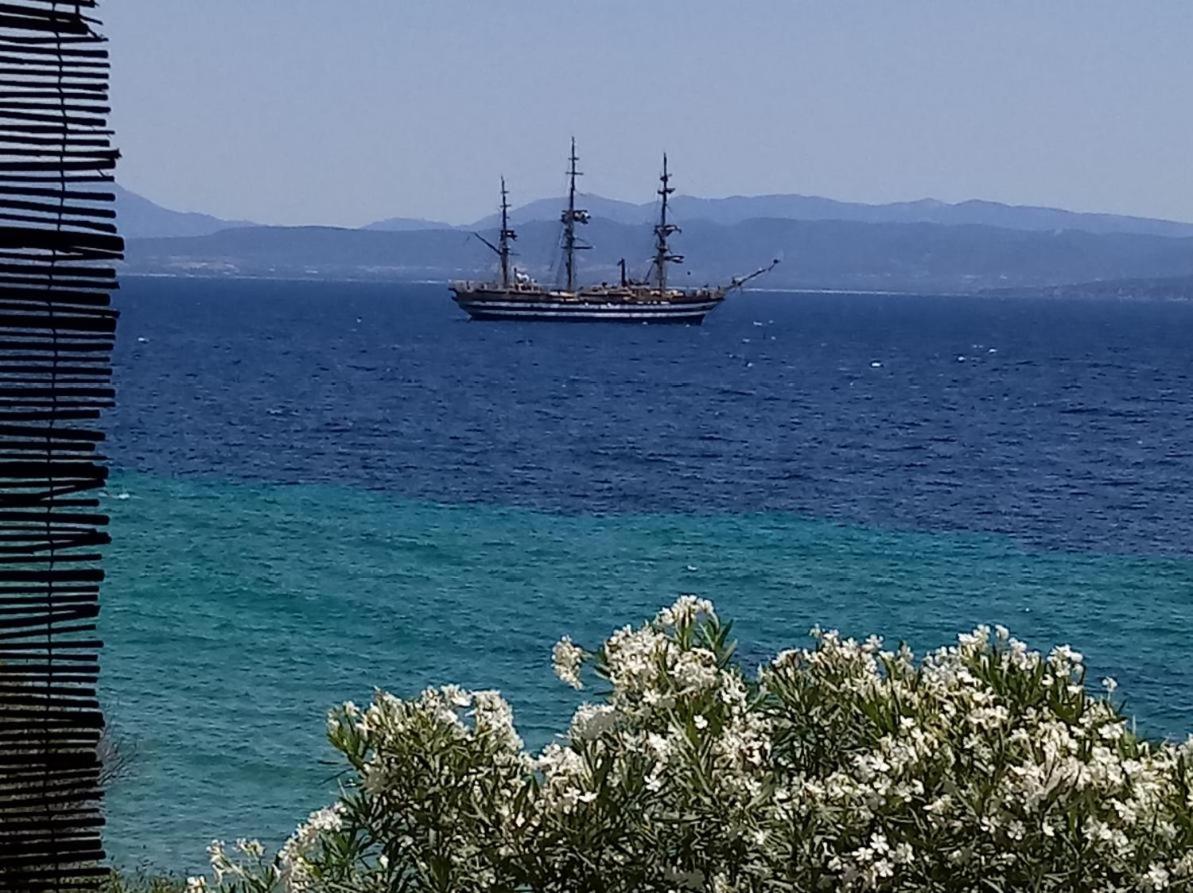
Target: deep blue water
x,y
1062,424
323,487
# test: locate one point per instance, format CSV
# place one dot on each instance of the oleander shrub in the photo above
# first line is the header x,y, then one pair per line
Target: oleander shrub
x,y
985,766
141,882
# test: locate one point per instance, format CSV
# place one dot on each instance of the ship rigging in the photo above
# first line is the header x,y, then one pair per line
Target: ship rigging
x,y
516,296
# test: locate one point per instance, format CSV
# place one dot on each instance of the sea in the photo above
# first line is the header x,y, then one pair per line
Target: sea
x,y
323,488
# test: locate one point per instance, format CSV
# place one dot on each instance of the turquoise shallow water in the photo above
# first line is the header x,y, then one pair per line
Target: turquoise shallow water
x,y
237,613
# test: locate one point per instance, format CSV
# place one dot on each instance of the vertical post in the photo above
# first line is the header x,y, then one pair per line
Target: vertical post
x,y
55,373
570,217
506,235
663,255
569,233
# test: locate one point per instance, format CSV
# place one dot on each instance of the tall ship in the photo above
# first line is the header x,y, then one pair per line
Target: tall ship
x,y
515,295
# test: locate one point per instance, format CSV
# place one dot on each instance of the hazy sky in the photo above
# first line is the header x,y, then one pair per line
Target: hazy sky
x,y
345,111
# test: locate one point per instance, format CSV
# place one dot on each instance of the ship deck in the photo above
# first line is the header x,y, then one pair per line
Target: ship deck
x,y
492,302
477,292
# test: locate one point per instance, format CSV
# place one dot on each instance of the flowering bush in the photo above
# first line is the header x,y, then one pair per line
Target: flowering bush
x,y
842,766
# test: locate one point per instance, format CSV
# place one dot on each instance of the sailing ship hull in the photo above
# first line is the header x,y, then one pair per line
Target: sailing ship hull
x,y
518,297
496,305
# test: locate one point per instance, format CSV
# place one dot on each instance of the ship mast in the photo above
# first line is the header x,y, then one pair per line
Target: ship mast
x,y
663,255
507,236
571,216
502,248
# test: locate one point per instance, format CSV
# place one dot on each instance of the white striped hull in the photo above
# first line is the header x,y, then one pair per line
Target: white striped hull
x,y
583,311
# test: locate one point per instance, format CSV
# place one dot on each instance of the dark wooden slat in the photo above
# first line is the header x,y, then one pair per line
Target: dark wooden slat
x,y
46,23
63,736
19,40
61,540
21,237
59,600
51,91
59,194
54,108
20,114
56,4
66,347
75,415
98,155
24,69
34,374
60,140
68,760
60,296
40,181
57,243
61,224
63,434
60,10
14,55
75,660
64,47
64,322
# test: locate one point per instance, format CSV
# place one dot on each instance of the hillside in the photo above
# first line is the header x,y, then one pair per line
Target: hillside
x,y
737,209
816,254
140,218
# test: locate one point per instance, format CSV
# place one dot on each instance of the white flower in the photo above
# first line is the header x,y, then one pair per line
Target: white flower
x,y
220,864
306,836
1109,683
699,721
659,745
495,719
1156,878
196,885
686,610
1063,654
940,805
591,721
252,848
695,671
456,696
567,658
878,843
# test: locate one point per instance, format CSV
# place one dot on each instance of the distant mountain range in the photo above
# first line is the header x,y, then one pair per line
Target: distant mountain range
x,y
737,209
816,254
926,245
140,218
406,224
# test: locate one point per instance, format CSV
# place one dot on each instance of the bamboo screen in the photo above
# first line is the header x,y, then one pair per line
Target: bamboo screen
x,y
58,242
